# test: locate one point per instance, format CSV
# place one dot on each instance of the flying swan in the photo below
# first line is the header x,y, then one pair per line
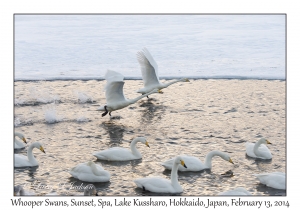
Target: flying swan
x,y
150,73
90,172
275,180
161,185
29,160
259,149
115,98
194,164
122,154
19,144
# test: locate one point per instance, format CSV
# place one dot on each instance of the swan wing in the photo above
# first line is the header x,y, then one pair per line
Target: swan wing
x,y
249,149
113,76
84,172
21,161
155,184
115,154
275,180
148,68
85,168
114,87
264,152
114,92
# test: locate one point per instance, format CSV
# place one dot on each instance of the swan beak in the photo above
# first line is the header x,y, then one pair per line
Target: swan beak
x,y
147,144
159,91
24,140
268,142
230,161
182,163
42,149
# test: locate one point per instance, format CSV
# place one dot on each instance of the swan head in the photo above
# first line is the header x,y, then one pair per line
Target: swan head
x,y
39,146
21,136
224,156
143,140
179,160
265,141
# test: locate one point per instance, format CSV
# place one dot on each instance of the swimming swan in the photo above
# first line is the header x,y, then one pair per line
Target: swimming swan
x,y
115,98
122,154
29,160
161,185
259,149
90,172
18,190
19,144
236,191
275,180
149,73
194,164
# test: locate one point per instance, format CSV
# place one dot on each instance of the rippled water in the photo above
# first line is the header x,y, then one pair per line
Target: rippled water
x,y
189,118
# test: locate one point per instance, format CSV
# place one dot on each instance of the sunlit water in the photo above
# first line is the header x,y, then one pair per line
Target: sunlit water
x,y
189,118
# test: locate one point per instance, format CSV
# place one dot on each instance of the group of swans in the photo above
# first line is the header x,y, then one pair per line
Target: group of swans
x,y
90,172
274,180
114,94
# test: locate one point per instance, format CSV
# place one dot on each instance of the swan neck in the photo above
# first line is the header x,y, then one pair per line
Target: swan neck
x,y
209,157
30,156
171,83
132,101
255,148
134,149
174,174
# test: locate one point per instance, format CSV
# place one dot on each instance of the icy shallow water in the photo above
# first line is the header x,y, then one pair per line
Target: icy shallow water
x,y
189,118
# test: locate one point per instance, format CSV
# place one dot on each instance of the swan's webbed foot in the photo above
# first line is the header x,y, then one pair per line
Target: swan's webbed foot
x,y
105,113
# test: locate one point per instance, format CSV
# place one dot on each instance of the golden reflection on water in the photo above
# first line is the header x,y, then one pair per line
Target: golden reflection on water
x,y
189,118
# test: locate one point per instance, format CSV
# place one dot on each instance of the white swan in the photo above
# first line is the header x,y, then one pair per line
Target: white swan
x,y
259,149
122,154
115,98
161,185
275,180
29,160
19,144
149,73
236,191
18,190
90,172
194,164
